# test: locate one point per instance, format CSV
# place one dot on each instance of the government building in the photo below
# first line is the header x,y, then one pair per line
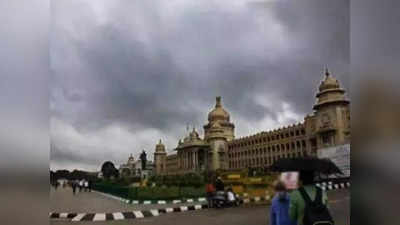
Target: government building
x,y
327,127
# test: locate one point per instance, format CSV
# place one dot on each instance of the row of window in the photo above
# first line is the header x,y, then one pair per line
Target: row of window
x,y
261,162
268,138
269,149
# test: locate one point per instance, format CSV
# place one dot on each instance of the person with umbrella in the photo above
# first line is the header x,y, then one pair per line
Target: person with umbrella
x,y
298,202
308,204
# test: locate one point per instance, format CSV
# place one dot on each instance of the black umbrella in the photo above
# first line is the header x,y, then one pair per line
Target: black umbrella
x,y
306,164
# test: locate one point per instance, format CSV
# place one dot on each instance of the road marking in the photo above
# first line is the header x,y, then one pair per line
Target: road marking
x,y
78,217
99,217
138,214
154,212
118,216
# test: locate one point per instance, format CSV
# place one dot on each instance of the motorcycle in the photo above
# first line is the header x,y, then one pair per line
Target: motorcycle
x,y
220,200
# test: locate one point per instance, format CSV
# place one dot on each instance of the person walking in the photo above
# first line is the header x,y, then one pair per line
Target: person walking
x,y
90,185
73,184
56,185
210,189
279,211
305,199
86,185
80,185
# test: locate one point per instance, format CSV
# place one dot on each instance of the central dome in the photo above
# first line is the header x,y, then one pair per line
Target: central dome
x,y
218,113
329,82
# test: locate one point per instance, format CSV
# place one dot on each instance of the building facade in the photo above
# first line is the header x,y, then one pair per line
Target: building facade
x,y
328,125
133,168
194,154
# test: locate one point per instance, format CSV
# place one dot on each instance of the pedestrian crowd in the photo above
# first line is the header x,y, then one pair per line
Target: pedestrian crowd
x,y
76,185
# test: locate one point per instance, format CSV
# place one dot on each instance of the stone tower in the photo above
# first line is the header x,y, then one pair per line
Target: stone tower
x,y
331,125
160,157
217,133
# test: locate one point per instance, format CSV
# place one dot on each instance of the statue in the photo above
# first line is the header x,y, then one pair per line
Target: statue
x,y
143,158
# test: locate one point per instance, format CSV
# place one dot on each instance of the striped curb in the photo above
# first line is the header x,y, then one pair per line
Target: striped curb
x,y
75,217
332,186
148,202
256,199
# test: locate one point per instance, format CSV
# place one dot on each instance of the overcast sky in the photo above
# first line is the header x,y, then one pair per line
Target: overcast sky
x,y
128,73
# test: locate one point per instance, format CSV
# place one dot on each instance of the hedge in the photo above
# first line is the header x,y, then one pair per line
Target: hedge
x,y
151,193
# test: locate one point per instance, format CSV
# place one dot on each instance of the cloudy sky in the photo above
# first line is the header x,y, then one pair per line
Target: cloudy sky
x,y
127,73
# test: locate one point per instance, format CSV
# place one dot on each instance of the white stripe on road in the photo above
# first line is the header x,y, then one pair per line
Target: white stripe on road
x,y
99,217
154,212
138,214
118,216
78,217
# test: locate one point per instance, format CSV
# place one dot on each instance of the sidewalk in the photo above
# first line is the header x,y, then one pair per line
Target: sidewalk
x,y
63,201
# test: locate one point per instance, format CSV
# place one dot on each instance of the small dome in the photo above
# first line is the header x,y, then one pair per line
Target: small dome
x,y
218,113
186,139
131,159
160,147
329,82
194,134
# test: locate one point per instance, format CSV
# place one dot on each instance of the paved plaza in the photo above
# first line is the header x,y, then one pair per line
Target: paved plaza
x,y
62,200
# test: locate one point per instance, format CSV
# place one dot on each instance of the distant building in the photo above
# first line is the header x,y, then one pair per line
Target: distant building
x,y
134,168
326,127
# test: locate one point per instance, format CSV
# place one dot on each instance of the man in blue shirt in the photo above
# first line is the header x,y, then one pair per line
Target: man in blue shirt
x,y
279,212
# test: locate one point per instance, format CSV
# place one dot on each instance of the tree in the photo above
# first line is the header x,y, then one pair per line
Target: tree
x,y
108,169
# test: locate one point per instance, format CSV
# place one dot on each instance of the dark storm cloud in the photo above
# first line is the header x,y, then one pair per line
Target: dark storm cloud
x,y
144,66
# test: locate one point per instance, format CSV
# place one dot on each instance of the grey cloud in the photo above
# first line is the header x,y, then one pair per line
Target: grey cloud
x,y
145,68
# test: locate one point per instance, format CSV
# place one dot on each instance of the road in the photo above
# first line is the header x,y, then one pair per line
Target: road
x,y
244,215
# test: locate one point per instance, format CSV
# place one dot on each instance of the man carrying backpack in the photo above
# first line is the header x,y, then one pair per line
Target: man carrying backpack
x,y
308,204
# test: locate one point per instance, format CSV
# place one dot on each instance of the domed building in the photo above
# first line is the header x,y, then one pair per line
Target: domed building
x,y
219,125
330,123
195,154
128,169
323,133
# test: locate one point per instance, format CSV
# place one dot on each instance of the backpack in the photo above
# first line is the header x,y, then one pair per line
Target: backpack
x,y
315,212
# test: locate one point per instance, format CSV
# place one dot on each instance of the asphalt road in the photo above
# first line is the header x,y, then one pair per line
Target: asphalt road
x,y
244,215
